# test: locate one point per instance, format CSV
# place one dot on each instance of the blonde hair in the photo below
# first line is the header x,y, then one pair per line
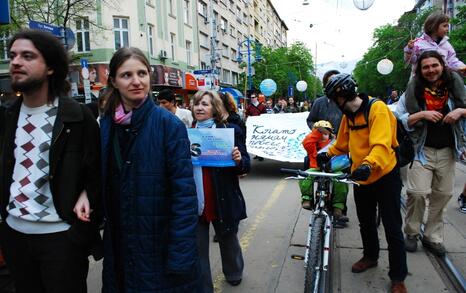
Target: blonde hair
x,y
219,113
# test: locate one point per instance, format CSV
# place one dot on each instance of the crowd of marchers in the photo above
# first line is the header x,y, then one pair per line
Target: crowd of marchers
x,y
66,173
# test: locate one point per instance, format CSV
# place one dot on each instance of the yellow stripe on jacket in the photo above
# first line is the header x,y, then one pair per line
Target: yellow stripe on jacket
x,y
373,145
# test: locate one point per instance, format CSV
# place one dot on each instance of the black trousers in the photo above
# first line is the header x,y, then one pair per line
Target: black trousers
x,y
44,263
385,193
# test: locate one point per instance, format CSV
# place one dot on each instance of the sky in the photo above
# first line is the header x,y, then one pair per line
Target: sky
x,y
340,32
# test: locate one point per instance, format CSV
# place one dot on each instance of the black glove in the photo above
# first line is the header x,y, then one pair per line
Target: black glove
x,y
322,159
361,173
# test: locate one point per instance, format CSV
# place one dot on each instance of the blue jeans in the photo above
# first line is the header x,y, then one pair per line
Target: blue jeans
x,y
230,251
386,193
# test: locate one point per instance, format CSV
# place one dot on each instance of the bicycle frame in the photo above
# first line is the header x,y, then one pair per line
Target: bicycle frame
x,y
322,205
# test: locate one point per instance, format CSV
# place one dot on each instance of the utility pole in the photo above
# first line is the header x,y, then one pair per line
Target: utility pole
x,y
213,45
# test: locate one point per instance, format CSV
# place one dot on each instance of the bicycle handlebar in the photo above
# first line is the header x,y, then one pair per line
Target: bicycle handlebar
x,y
344,178
296,172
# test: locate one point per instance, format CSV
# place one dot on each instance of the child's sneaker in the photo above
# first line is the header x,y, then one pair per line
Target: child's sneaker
x,y
306,204
462,203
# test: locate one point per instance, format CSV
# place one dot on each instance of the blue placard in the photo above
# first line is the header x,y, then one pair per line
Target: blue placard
x,y
212,147
4,12
290,91
53,29
84,63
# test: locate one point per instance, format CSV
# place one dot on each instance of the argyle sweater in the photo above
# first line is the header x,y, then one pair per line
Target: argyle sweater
x,y
31,209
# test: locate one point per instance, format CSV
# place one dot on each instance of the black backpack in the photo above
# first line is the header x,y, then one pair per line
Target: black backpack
x,y
405,150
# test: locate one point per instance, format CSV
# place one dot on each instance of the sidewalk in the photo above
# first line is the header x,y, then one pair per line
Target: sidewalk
x,y
422,275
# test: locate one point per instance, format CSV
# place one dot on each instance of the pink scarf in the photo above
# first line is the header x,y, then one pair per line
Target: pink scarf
x,y
121,117
124,118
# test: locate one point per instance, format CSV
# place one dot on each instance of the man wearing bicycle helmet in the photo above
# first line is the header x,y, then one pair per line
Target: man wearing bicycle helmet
x,y
371,144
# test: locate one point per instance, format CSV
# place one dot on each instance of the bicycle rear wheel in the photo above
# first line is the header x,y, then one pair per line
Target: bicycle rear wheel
x,y
314,260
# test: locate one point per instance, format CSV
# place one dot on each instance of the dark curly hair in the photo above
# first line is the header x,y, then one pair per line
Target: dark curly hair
x,y
55,56
422,83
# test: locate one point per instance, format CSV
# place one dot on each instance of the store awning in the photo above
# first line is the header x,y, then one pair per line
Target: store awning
x,y
234,92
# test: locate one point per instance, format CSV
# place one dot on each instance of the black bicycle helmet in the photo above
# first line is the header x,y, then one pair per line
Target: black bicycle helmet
x,y
341,85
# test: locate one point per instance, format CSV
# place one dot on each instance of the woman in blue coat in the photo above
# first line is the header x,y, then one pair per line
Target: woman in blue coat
x,y
149,193
224,205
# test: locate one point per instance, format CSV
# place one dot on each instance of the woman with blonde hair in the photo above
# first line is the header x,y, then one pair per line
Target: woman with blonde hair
x,y
224,205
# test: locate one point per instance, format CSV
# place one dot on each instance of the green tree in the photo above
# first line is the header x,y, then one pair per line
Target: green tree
x,y
286,66
58,12
458,34
389,41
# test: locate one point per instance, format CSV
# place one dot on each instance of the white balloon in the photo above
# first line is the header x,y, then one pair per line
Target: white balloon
x,y
385,66
363,4
301,85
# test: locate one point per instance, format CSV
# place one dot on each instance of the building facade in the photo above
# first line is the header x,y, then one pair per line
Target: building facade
x,y
175,35
230,23
450,7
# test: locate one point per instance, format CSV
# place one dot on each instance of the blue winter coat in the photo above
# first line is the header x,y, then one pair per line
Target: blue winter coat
x,y
158,206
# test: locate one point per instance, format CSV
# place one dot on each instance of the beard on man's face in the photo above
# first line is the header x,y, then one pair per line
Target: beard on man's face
x,y
27,85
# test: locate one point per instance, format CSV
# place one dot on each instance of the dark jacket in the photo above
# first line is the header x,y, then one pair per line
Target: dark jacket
x,y
74,158
230,205
157,208
234,118
324,109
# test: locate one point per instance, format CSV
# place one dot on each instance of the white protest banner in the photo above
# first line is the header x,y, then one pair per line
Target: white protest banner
x,y
277,136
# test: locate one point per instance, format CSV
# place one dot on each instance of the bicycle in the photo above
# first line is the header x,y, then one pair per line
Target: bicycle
x,y
320,231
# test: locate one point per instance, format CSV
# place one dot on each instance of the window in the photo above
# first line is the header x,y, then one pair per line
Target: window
x,y
232,31
171,7
233,54
186,13
150,36
225,50
238,14
202,8
226,76
4,38
223,24
121,32
204,40
234,78
82,35
203,65
173,45
188,52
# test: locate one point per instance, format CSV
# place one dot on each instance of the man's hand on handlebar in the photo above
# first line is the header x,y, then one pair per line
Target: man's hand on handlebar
x,y
361,173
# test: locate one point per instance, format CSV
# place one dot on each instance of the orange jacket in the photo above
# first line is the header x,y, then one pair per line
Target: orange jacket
x,y
312,143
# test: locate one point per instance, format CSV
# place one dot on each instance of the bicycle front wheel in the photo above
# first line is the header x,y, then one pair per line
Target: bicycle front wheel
x,y
314,260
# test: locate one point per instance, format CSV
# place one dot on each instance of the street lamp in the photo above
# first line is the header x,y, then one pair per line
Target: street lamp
x,y
257,56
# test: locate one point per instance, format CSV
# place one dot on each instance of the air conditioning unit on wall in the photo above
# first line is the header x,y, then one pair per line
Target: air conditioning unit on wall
x,y
163,54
